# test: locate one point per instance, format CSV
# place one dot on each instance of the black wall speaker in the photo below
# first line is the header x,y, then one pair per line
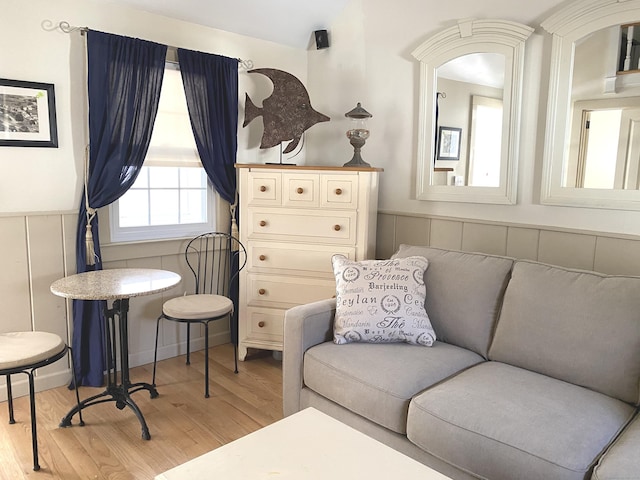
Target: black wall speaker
x,y
322,39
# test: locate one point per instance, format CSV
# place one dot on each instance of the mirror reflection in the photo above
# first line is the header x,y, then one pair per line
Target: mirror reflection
x,y
469,120
469,111
603,147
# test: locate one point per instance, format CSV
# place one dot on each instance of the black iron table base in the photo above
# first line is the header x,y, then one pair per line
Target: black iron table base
x,y
117,333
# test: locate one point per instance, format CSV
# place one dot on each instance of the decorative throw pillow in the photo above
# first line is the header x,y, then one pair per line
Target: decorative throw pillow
x,y
381,301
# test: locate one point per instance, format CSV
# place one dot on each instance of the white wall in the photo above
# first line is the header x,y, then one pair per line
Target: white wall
x,y
371,45
49,179
369,60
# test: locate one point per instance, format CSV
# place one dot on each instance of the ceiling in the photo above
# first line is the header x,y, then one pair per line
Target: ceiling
x,y
287,22
479,68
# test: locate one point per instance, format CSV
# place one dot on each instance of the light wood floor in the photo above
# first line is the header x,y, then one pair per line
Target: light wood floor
x,y
183,424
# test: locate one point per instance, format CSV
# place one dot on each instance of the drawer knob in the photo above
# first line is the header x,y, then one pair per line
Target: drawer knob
x,y
262,258
338,191
263,223
336,228
262,291
263,188
261,324
300,190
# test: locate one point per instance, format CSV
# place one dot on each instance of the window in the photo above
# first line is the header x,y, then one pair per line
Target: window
x,y
171,197
486,141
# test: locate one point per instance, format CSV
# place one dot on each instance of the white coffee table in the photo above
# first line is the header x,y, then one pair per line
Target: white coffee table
x,y
306,446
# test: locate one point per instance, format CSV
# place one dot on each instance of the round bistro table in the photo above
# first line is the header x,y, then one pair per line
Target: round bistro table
x,y
117,285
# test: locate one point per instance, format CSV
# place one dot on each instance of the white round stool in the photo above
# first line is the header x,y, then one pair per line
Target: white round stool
x,y
24,352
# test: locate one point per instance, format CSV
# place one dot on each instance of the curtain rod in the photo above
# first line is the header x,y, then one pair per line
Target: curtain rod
x,y
66,27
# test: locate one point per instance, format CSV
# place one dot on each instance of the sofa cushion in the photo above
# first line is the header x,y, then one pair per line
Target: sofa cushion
x,y
378,381
495,419
381,301
580,327
622,460
464,293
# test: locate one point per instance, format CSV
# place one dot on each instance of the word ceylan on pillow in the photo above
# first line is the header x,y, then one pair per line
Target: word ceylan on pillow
x,y
381,301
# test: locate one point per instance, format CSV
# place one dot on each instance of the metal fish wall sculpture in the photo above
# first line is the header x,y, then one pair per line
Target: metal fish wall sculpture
x,y
286,113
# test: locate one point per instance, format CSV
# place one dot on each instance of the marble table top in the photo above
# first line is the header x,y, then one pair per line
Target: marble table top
x,y
116,283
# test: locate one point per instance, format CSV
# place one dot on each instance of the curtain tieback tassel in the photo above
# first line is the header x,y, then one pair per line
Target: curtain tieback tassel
x,y
91,253
234,234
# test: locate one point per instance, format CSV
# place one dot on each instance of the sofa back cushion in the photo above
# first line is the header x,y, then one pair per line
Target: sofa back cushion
x,y
577,326
464,293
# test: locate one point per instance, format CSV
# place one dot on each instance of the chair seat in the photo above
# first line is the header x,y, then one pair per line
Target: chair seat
x,y
21,349
197,307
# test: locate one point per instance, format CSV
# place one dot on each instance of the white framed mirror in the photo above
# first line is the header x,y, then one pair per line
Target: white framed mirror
x,y
469,111
592,138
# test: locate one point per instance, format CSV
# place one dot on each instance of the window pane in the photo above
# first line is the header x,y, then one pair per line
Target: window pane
x,y
193,206
193,178
133,209
163,177
143,179
164,207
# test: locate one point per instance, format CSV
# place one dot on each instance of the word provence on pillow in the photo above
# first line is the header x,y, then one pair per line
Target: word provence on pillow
x,y
381,301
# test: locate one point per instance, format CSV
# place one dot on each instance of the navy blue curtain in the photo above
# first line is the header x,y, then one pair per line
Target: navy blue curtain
x,y
211,88
124,81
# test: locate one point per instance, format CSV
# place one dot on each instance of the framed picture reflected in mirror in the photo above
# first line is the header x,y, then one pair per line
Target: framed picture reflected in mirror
x,y
449,143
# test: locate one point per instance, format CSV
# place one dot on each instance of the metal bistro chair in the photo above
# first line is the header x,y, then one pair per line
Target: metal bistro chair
x,y
24,352
210,258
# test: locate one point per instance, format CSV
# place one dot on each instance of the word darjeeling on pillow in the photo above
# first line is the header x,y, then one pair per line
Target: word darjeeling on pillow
x,y
381,301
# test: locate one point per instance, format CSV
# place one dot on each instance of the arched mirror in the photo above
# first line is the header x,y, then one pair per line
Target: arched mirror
x,y
469,114
592,142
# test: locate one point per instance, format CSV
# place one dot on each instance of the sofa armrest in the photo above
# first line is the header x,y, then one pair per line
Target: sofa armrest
x,y
304,326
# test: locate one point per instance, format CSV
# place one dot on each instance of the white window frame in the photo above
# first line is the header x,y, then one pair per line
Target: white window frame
x,y
159,232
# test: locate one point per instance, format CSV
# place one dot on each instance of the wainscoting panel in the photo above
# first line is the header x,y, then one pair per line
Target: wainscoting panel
x,y
413,231
37,249
523,243
386,242
445,234
568,249
617,256
15,284
484,238
607,253
46,265
32,256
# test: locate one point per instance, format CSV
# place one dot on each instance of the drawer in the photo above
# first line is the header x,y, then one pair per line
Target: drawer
x,y
285,292
300,190
315,226
295,259
265,188
265,324
339,191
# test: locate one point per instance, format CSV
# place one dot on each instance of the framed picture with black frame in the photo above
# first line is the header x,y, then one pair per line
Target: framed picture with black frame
x,y
27,114
449,143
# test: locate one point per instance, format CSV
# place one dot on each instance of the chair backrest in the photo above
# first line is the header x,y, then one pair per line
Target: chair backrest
x,y
215,259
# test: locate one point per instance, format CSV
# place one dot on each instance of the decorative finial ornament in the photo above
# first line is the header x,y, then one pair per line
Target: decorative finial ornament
x,y
357,134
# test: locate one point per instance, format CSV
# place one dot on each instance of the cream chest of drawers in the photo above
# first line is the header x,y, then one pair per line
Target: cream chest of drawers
x,y
292,220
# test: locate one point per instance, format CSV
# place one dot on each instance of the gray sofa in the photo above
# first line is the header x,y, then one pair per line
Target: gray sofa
x,y
535,373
